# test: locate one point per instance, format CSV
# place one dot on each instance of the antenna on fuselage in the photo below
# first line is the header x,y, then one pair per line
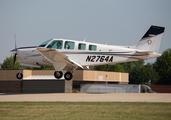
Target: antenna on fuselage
x,y
109,41
85,39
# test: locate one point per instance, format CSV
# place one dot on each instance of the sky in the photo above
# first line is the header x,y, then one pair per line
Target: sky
x,y
121,22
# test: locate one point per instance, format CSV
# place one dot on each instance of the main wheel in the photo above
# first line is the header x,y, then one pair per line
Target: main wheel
x,y
58,74
68,76
19,75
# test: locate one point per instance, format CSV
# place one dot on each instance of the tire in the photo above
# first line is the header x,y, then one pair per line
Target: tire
x,y
68,76
19,75
58,74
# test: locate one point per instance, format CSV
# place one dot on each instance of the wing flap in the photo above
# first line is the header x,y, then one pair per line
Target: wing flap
x,y
51,55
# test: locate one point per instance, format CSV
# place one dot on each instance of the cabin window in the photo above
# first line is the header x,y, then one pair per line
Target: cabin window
x,y
81,46
92,47
56,44
69,45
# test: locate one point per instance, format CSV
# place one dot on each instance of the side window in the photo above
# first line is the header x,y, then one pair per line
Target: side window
x,y
56,44
69,45
92,47
81,46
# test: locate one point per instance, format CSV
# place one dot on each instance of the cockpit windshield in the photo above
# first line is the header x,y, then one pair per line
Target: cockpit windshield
x,y
56,44
45,43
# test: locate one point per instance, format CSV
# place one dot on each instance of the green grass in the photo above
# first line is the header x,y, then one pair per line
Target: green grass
x,y
84,111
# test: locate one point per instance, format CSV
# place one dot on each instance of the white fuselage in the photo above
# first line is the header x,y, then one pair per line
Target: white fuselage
x,y
70,54
104,54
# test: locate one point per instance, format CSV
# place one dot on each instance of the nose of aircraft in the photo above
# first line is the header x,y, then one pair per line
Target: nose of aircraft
x,y
14,51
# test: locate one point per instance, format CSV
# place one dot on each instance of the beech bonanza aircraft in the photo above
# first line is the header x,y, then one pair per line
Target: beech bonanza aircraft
x,y
70,54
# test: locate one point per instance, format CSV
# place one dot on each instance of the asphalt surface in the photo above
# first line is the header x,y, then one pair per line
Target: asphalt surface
x,y
78,97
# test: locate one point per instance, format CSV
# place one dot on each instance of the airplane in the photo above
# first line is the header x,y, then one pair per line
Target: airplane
x,y
70,54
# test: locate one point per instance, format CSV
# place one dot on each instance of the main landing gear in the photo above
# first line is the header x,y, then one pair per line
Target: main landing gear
x,y
59,74
68,76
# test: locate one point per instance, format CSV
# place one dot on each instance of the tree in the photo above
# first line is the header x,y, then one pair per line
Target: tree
x,y
49,68
163,67
128,66
142,74
8,63
138,72
41,68
100,67
117,68
120,67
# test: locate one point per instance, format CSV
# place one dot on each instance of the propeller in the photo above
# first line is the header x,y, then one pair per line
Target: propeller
x,y
15,52
14,60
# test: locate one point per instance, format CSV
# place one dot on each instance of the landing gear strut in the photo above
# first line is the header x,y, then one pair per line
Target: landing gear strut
x,y
20,74
58,74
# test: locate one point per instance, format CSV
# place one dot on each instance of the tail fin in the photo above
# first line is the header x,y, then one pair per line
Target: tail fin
x,y
151,40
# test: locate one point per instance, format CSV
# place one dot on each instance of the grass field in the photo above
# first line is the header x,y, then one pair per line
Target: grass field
x,y
84,111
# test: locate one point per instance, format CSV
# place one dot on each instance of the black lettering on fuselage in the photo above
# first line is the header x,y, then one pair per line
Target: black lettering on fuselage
x,y
111,59
102,58
107,58
93,57
88,58
99,58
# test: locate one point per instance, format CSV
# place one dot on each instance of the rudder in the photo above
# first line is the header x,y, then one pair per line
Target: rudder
x,y
151,39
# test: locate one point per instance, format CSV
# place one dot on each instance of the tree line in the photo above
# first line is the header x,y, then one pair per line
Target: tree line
x,y
158,73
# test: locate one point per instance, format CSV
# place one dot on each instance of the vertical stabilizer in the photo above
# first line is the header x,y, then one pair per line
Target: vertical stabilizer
x,y
151,40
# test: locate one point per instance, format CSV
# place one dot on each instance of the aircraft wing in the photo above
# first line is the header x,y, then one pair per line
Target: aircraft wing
x,y
54,56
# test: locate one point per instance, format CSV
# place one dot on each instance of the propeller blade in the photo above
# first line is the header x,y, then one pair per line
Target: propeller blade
x,y
14,60
15,41
15,51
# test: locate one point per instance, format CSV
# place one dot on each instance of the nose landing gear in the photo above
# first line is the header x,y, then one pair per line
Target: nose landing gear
x,y
20,74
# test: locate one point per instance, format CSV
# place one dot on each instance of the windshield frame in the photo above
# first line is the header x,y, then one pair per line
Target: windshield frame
x,y
55,41
44,44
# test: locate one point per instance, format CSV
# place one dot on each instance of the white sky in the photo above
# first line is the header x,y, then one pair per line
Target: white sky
x,y
126,21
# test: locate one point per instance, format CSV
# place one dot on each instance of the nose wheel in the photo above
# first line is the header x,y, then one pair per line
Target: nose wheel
x,y
68,76
58,74
19,75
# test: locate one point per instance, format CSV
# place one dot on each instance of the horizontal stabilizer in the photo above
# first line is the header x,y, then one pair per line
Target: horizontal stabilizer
x,y
143,52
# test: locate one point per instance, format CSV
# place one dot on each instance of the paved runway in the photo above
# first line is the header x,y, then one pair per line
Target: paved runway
x,y
72,97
